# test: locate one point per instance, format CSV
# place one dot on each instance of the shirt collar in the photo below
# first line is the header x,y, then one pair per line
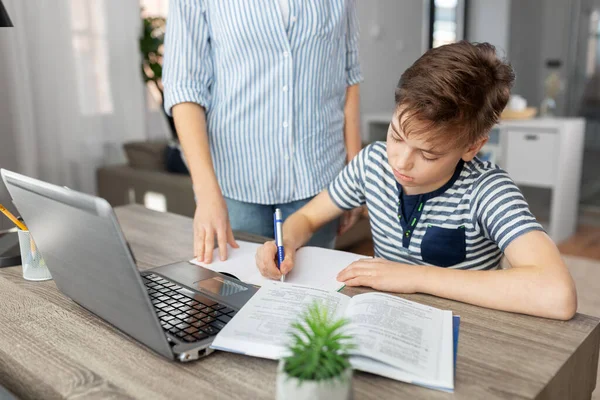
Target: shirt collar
x,y
426,196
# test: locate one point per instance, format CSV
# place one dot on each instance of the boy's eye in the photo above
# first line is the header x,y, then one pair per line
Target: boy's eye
x,y
396,139
428,158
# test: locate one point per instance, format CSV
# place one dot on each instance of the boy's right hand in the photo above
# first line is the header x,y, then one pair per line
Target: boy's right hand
x,y
212,220
265,260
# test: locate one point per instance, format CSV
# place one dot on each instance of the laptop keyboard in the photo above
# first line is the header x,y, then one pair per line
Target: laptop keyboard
x,y
190,318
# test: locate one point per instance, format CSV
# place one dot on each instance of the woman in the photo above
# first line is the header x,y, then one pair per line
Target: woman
x,y
265,99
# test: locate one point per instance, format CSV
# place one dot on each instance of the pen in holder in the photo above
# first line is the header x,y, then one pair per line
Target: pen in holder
x,y
34,266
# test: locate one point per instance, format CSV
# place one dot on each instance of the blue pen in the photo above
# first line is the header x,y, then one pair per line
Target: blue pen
x,y
277,222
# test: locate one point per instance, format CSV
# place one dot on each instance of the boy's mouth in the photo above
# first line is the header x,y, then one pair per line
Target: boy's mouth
x,y
402,177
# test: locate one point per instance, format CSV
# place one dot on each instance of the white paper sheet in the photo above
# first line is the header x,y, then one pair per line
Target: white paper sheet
x,y
315,267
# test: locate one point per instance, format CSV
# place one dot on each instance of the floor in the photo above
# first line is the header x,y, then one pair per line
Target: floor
x,y
585,243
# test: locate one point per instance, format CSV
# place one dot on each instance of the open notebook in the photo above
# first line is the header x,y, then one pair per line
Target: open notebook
x,y
314,266
395,337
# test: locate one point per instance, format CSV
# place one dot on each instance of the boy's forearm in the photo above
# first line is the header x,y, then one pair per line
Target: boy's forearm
x,y
352,122
527,290
299,227
190,121
297,230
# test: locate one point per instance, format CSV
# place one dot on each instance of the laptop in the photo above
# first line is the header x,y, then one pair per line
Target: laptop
x,y
175,310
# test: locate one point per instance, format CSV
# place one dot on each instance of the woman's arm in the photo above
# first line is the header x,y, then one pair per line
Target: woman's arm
x,y
352,122
187,79
353,146
211,219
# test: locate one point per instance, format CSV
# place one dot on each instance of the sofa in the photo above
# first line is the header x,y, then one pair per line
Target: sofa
x,y
145,174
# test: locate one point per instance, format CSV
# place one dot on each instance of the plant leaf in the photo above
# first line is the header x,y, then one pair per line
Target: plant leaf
x,y
318,346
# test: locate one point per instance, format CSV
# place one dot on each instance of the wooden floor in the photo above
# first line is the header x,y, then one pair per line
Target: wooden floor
x,y
585,243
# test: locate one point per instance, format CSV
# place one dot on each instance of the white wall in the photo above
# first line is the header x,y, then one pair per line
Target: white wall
x,y
530,32
489,21
390,41
392,38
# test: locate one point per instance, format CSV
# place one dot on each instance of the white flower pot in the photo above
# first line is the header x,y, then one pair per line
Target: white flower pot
x,y
334,389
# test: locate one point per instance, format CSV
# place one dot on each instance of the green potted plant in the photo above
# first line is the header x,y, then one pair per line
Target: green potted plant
x,y
152,46
318,366
152,40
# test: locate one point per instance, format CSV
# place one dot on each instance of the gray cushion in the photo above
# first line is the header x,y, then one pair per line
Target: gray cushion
x,y
148,155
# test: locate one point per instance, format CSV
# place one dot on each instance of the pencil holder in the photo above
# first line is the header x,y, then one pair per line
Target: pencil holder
x,y
34,266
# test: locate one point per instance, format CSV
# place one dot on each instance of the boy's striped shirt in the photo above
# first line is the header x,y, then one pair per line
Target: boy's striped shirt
x,y
482,201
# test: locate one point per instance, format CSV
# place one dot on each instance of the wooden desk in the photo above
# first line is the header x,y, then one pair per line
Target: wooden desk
x,y
51,348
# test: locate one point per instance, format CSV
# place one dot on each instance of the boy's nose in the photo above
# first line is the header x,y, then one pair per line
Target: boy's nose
x,y
404,160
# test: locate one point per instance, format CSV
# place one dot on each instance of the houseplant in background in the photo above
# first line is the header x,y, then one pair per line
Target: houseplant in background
x,y
318,366
151,46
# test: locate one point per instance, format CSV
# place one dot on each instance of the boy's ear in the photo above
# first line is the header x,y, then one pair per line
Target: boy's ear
x,y
473,149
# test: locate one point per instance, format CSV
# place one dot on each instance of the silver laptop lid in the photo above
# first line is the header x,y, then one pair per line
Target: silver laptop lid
x,y
80,239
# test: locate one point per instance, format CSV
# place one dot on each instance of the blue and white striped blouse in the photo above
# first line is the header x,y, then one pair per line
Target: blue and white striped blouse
x,y
466,224
274,96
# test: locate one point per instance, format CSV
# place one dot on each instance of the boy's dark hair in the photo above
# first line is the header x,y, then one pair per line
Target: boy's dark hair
x,y
455,92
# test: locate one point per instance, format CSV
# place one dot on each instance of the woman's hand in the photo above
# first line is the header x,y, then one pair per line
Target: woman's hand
x,y
265,260
381,274
211,219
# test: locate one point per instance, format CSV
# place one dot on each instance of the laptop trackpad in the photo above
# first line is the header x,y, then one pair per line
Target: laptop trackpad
x,y
219,286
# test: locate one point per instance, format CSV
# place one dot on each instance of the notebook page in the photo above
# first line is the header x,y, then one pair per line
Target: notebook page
x,y
240,263
261,328
318,267
314,266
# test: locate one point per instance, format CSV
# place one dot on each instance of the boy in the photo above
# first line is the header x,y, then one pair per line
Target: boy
x,y
441,219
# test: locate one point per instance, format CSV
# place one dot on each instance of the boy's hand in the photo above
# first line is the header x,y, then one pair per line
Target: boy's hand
x,y
381,274
265,260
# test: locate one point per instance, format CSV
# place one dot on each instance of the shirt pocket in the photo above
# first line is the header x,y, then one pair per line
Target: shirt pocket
x,y
443,247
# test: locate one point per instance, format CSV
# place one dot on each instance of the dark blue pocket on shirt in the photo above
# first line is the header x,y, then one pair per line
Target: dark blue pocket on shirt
x,y
443,247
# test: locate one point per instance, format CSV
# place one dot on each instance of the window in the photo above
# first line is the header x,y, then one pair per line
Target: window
x,y
447,19
154,8
593,54
90,50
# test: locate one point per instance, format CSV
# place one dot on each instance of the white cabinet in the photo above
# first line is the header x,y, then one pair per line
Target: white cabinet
x,y
546,153
531,155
